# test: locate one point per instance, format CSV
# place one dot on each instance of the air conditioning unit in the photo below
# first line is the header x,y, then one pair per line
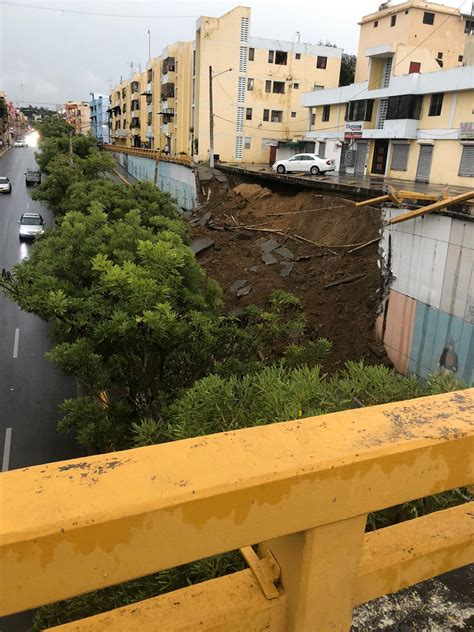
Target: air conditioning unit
x,y
350,158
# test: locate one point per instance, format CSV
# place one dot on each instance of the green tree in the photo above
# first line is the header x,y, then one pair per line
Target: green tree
x,y
347,72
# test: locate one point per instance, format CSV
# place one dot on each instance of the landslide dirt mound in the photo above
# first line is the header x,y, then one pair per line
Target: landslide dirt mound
x,y
301,244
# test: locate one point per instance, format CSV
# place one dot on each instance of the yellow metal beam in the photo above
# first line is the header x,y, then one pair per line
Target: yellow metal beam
x,y
117,516
416,550
233,603
440,204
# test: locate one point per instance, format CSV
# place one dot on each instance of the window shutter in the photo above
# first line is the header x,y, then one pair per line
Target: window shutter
x,y
400,157
466,167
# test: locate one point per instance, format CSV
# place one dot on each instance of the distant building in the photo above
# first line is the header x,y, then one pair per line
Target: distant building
x,y
78,115
409,114
257,89
99,117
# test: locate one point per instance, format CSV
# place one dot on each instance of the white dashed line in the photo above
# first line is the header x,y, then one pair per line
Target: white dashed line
x,y
6,450
15,343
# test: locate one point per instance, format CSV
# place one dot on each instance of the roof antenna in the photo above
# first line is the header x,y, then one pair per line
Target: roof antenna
x,y
298,36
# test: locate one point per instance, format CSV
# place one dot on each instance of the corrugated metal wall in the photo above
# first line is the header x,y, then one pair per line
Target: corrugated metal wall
x,y
430,308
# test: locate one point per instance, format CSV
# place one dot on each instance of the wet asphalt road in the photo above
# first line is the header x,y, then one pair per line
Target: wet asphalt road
x,y
30,387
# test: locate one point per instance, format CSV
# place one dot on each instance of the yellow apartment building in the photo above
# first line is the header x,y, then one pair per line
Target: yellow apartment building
x,y
78,115
256,83
413,123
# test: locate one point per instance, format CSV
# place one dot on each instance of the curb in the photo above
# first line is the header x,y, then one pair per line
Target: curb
x,y
5,151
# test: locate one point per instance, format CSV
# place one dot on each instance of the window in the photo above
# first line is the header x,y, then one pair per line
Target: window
x,y
268,86
277,116
293,115
322,149
251,54
321,62
440,55
415,66
248,114
297,55
317,87
406,106
393,20
466,166
400,156
249,84
326,112
247,142
271,54
278,87
428,18
376,23
313,118
359,110
460,58
281,57
469,28
296,86
266,115
436,104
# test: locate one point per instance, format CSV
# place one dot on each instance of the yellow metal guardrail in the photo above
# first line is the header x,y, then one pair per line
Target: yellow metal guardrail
x,y
301,489
149,153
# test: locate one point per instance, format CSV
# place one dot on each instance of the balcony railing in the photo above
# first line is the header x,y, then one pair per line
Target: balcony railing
x,y
302,489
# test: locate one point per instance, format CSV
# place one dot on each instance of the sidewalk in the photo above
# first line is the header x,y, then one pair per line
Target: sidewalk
x,y
346,184
4,150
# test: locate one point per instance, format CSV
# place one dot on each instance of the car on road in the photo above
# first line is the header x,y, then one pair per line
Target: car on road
x,y
20,143
5,185
307,163
31,225
32,176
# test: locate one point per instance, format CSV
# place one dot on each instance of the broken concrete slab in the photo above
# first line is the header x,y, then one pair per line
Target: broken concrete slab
x,y
268,259
269,245
284,252
187,215
237,285
244,291
286,269
199,245
204,219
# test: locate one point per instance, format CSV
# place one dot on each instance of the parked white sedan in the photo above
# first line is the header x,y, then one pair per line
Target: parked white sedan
x,y
310,163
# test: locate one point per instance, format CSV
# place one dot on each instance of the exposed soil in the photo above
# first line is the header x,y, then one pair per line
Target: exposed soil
x,y
345,313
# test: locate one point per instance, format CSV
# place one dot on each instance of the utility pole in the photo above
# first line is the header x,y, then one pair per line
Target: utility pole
x,y
211,123
70,148
149,44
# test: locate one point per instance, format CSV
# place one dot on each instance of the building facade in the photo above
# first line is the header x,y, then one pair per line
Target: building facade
x,y
410,122
99,117
256,91
77,114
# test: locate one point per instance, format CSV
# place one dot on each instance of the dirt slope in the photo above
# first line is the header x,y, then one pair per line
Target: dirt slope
x,y
343,313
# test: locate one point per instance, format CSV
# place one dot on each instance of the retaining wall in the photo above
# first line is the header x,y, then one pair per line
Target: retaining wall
x,y
430,306
177,180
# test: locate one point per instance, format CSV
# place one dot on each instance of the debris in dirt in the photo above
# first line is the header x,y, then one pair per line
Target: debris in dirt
x,y
286,269
199,245
244,291
347,279
284,252
253,269
236,285
187,215
268,259
237,312
269,245
204,219
253,191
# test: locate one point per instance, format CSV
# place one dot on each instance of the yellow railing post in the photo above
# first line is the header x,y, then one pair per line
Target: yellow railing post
x,y
319,572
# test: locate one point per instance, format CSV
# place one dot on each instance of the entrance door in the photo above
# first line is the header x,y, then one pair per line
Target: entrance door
x,y
424,163
360,158
379,160
273,154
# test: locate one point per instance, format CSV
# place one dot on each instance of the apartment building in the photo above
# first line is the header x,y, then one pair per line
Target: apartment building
x,y
256,87
99,117
78,115
407,118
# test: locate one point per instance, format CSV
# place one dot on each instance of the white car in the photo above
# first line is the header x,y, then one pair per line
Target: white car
x,y
310,163
20,143
5,185
31,225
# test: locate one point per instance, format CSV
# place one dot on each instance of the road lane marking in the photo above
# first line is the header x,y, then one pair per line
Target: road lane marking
x,y
28,205
15,343
6,450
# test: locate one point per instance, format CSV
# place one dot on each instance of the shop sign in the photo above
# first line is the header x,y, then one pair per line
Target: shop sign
x,y
353,130
466,130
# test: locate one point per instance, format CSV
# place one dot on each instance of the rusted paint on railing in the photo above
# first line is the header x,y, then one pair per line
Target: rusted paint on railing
x,y
153,154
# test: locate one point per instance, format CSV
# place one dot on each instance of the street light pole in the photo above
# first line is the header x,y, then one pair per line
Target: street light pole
x,y
211,123
211,115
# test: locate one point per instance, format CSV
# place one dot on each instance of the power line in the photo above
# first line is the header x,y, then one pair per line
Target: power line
x,y
107,15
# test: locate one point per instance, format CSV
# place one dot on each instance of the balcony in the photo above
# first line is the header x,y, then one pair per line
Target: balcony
x,y
394,128
302,489
149,132
149,108
121,133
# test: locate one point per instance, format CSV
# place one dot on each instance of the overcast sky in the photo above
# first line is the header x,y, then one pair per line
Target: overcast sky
x,y
54,56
